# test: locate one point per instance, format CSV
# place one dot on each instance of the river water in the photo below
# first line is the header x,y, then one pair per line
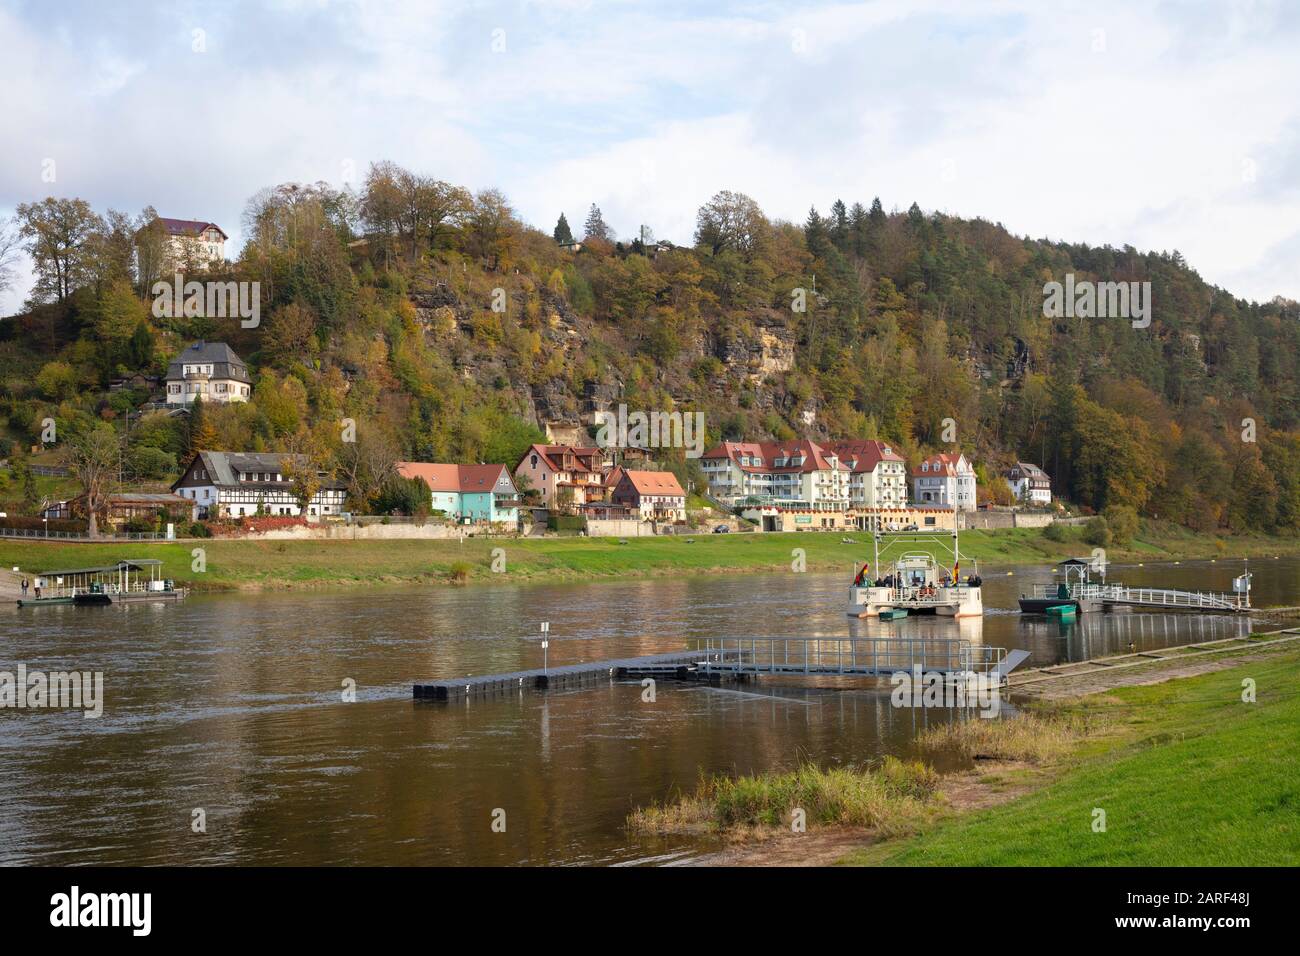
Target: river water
x,y
233,705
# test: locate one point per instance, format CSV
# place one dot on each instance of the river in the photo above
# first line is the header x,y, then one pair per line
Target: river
x,y
232,705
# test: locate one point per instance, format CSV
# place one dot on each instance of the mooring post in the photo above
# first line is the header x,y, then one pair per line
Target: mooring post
x,y
546,643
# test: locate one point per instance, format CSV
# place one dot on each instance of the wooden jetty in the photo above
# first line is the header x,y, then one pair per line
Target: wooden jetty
x,y
675,664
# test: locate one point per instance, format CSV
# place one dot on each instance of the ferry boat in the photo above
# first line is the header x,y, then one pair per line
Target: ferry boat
x,y
130,581
914,583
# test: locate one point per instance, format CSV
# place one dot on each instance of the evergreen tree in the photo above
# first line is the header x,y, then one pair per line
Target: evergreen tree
x,y
858,226
595,227
815,233
839,224
562,232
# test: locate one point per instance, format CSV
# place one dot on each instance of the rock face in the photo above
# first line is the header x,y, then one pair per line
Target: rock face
x,y
764,352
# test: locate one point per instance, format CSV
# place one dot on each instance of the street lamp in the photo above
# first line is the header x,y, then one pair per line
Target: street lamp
x,y
45,523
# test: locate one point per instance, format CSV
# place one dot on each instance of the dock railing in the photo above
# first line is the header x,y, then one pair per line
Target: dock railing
x,y
1144,597
863,656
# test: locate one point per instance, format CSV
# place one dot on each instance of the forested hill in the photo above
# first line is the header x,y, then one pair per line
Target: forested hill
x,y
378,306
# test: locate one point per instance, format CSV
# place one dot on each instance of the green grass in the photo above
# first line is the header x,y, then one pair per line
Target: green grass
x,y
1197,778
286,564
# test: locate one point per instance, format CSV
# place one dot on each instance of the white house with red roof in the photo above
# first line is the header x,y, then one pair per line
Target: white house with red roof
x,y
799,472
877,473
566,476
193,240
655,495
944,481
468,493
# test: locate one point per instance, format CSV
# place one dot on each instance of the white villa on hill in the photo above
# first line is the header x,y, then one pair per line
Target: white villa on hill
x,y
192,240
207,370
944,481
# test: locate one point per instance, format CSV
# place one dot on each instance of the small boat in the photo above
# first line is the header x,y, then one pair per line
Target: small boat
x,y
1062,611
1071,589
892,613
46,601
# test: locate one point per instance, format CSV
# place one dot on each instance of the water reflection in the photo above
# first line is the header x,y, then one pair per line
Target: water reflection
x,y
233,703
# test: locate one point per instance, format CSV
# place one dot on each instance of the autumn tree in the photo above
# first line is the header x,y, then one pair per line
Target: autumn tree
x,y
92,457
202,434
730,221
57,232
152,250
290,334
366,465
492,229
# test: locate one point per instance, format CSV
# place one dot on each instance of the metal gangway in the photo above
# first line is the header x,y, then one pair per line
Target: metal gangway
x,y
854,656
1119,595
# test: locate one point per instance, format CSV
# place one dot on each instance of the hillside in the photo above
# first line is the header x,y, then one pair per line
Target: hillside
x,y
378,306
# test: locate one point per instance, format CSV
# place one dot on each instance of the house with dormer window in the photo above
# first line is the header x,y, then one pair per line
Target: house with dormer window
x,y
233,485
944,481
210,371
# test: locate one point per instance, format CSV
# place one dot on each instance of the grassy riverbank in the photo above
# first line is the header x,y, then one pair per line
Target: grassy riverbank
x,y
1196,777
250,564
1186,772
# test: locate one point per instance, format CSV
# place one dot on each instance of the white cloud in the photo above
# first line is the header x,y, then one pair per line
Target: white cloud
x,y
1106,123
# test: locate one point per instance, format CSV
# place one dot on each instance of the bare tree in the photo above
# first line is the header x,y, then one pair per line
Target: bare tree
x,y
93,458
367,464
152,249
9,249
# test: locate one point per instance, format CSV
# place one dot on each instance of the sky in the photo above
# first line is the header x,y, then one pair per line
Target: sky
x,y
1161,125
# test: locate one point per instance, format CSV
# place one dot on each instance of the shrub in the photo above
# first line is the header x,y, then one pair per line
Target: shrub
x,y
1097,532
1123,522
459,572
1055,532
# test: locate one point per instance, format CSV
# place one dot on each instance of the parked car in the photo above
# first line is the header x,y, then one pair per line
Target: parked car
x,y
721,529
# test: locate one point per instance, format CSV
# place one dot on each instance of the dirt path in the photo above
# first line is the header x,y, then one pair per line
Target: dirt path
x,y
1100,680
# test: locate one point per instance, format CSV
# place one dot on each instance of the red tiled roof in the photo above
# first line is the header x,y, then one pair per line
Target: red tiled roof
x,y
941,464
863,456
814,455
551,454
458,478
654,483
188,227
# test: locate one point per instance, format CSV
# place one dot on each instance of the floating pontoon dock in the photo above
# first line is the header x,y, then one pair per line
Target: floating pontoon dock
x,y
569,675
1076,590
742,658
